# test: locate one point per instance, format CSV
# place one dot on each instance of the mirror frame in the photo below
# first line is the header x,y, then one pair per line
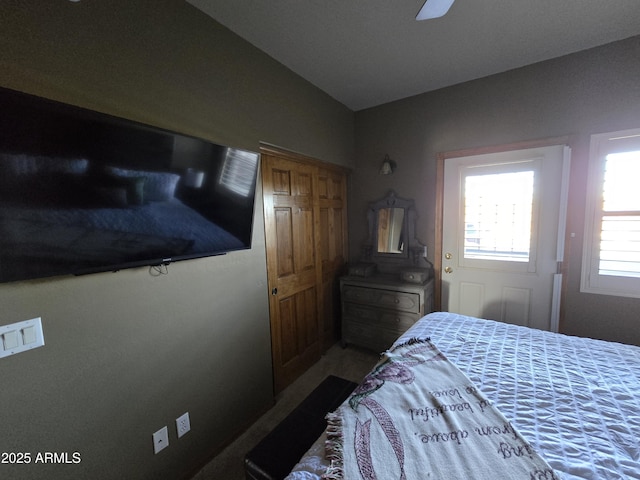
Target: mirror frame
x,y
373,214
413,251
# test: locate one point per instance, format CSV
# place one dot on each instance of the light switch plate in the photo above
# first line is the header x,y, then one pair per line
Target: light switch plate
x,y
20,337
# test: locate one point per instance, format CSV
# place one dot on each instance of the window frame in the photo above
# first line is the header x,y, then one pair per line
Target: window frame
x,y
592,281
534,165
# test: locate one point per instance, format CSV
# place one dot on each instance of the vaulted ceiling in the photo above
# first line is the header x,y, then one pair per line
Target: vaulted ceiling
x,y
368,52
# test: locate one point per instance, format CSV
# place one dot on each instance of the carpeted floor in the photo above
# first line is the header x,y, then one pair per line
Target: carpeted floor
x,y
350,363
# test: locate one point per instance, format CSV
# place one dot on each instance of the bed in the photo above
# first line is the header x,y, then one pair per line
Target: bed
x,y
575,401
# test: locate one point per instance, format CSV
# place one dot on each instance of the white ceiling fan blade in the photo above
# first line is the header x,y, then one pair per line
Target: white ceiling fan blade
x,y
434,9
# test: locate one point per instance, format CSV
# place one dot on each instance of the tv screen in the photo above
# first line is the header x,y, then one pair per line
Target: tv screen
x,y
84,192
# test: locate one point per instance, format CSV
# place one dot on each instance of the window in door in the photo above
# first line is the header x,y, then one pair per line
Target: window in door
x,y
611,260
500,215
498,209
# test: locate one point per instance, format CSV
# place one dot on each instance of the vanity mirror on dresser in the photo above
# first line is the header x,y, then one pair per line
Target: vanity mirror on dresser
x,y
392,286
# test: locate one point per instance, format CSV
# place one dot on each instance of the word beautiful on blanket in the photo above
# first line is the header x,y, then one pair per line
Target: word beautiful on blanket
x,y
417,416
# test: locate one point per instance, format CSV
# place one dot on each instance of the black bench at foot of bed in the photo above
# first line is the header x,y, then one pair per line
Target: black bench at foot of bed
x,y
278,452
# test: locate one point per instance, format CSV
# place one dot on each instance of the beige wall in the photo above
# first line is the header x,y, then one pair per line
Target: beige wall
x,y
127,353
580,94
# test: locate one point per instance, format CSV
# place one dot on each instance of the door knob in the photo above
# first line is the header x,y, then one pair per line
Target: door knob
x,y
274,291
448,256
448,270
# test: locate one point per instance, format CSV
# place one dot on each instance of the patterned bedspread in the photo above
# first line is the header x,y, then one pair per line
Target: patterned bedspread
x,y
575,400
418,416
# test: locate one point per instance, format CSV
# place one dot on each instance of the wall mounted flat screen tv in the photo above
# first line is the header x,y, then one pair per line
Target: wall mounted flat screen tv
x,y
84,192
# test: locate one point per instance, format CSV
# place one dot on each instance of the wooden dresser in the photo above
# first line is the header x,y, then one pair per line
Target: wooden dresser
x,y
377,310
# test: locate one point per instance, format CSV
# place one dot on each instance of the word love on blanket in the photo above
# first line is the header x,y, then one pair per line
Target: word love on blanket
x,y
416,416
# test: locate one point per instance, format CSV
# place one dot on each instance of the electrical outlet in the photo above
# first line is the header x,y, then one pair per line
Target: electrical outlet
x,y
160,439
182,424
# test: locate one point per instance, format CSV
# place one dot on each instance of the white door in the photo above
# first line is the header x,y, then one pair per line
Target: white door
x,y
503,214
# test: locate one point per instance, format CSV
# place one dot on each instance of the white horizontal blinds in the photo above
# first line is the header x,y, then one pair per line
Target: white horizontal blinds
x,y
620,216
611,257
238,170
498,211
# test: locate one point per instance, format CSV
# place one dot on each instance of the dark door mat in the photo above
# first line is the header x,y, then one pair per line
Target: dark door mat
x,y
278,452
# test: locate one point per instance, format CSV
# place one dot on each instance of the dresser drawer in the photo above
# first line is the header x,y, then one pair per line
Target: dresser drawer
x,y
362,334
409,302
379,309
396,322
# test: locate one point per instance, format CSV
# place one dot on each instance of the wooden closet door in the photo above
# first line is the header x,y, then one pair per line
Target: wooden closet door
x,y
332,194
291,231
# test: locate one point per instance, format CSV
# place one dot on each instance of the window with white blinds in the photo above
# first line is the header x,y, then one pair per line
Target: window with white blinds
x,y
611,263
